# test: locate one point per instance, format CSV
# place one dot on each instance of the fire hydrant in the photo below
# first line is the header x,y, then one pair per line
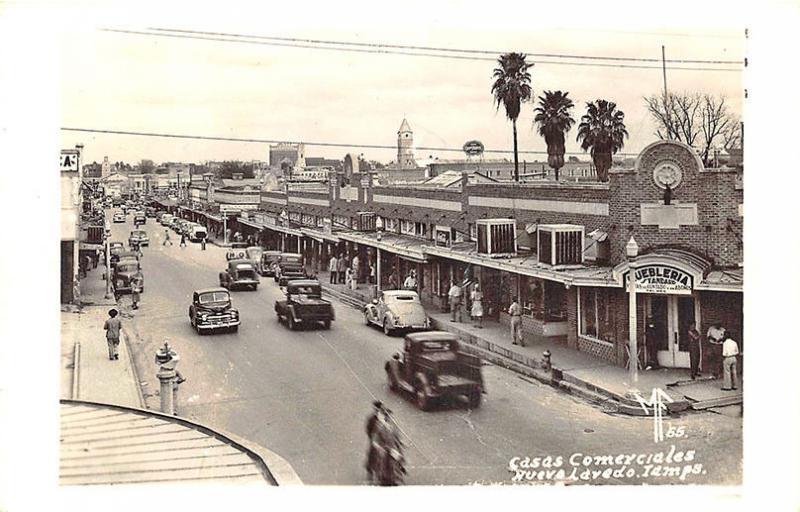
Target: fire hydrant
x,y
546,364
167,360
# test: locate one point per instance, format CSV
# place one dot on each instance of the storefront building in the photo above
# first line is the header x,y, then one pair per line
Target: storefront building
x,y
564,250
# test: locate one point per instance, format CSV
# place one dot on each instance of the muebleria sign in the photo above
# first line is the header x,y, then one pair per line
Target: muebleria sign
x,y
662,279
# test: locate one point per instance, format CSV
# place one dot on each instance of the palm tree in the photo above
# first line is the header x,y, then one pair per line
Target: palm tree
x,y
554,120
511,88
602,129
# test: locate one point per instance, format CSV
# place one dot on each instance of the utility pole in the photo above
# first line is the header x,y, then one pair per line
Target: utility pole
x,y
666,107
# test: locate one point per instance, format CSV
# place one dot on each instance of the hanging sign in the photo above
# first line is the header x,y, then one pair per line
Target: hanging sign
x,y
662,279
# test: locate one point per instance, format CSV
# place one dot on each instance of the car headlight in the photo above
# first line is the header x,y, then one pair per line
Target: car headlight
x,y
120,282
203,316
234,313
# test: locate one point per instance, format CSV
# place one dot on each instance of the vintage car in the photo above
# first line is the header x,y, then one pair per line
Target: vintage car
x,y
166,220
433,367
304,305
268,262
139,218
396,310
138,236
253,253
123,255
240,273
150,212
119,217
211,309
198,233
123,272
290,266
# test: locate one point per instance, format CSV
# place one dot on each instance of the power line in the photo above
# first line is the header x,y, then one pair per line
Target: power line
x,y
441,49
306,143
394,52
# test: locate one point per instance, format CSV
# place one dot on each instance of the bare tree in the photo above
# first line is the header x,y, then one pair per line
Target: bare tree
x,y
677,116
716,121
732,136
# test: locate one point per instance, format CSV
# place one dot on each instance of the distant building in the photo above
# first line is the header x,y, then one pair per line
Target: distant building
x,y
405,147
105,168
287,155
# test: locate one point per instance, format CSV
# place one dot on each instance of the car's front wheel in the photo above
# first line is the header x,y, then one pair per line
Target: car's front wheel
x,y
326,324
422,399
366,318
292,324
387,330
235,328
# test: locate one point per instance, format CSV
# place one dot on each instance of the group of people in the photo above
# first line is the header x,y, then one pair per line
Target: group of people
x,y
455,296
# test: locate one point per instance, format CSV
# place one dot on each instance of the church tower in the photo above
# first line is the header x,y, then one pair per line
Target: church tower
x,y
405,147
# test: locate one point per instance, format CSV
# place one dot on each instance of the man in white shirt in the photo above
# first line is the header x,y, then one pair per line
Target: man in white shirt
x,y
730,351
455,302
332,267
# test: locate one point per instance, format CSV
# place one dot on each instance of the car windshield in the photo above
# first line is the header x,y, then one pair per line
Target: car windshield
x,y
139,233
128,267
310,290
244,266
208,298
435,346
254,252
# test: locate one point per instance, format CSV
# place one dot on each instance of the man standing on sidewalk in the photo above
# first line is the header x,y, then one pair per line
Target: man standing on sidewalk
x,y
203,243
341,266
166,238
455,302
515,310
137,282
730,350
332,268
113,326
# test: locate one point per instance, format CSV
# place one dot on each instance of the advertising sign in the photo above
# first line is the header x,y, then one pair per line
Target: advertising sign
x,y
662,279
69,160
473,148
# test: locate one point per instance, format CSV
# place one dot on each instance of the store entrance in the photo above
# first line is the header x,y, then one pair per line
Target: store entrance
x,y
671,316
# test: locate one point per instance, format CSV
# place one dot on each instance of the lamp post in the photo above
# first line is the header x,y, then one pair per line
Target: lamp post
x,y
632,251
379,227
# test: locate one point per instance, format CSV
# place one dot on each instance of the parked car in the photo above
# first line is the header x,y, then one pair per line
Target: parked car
x,y
123,255
304,305
269,259
290,266
166,220
124,271
396,310
198,233
433,367
240,273
119,217
139,236
253,253
211,309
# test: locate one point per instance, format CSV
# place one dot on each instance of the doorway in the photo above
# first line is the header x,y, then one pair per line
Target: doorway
x,y
671,316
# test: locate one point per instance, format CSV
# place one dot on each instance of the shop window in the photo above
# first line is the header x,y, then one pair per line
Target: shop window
x,y
555,305
595,318
406,227
390,225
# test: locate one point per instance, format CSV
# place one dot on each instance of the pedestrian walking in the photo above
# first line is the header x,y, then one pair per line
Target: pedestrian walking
x,y
454,294
348,277
183,240
167,240
515,310
332,268
477,306
113,326
203,244
694,349
730,351
137,283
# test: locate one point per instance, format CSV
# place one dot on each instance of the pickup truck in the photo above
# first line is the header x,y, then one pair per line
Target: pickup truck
x,y
304,305
433,367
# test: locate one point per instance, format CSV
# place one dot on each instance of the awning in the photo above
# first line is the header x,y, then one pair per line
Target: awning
x,y
320,236
213,217
250,223
723,281
285,229
403,246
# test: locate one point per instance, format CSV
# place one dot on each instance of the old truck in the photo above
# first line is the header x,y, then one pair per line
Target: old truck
x,y
433,367
212,309
239,274
290,266
304,305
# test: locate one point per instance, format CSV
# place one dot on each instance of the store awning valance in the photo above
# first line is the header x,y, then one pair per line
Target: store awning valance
x,y
285,229
320,236
250,223
403,246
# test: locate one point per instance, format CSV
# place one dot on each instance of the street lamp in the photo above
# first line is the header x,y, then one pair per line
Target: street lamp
x,y
379,227
632,251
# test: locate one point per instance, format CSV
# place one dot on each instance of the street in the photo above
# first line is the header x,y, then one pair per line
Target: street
x,y
306,394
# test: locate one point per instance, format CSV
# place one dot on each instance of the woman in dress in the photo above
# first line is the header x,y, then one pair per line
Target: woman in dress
x,y
477,306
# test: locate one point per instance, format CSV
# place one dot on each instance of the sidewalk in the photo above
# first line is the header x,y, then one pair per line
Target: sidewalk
x,y
574,371
87,373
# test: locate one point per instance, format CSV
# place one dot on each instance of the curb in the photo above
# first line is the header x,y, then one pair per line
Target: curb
x,y
76,372
134,371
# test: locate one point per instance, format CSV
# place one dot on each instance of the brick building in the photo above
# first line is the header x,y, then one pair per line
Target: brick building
x,y
563,248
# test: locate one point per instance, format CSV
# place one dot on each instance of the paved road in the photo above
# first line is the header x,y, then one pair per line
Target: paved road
x,y
306,394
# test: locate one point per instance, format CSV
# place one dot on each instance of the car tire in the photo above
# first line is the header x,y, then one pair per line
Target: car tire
x,y
366,318
388,331
326,325
255,287
290,322
235,329
422,400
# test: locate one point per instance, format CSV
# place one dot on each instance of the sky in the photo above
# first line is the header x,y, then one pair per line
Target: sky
x,y
130,82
